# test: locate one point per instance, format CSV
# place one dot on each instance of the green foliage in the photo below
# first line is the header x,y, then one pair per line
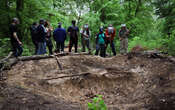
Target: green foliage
x,y
97,104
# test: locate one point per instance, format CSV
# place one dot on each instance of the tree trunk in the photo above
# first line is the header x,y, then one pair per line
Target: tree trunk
x,y
19,10
139,3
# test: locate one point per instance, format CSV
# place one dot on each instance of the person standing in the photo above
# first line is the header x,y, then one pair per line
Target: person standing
x,y
100,43
14,38
41,33
123,37
59,35
85,38
33,32
73,32
48,37
110,34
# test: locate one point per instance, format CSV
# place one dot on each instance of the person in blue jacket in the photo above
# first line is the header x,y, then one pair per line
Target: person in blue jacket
x,y
59,35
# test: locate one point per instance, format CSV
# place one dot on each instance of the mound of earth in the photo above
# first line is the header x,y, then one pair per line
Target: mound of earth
x,y
130,82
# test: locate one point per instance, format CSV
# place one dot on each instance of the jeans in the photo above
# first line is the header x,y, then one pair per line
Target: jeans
x,y
101,48
41,48
112,46
60,46
17,49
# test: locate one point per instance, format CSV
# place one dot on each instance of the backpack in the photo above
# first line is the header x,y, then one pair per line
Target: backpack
x,y
41,33
33,30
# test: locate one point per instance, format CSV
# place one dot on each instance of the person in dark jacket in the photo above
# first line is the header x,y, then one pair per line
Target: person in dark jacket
x,y
59,35
33,32
48,37
14,38
73,31
41,33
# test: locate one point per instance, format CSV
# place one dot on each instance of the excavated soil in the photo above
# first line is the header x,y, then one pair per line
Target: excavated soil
x,y
131,82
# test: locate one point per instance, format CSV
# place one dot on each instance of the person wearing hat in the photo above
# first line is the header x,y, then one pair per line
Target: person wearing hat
x,y
14,38
59,36
85,38
110,35
41,33
123,37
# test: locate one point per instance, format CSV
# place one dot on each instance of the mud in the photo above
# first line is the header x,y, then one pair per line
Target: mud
x,y
126,83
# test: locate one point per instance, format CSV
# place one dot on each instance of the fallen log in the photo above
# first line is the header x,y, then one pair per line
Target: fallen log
x,y
8,62
35,57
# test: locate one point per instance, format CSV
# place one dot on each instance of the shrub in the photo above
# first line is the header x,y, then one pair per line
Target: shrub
x,y
97,104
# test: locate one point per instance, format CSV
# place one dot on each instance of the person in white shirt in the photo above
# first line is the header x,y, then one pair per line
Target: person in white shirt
x,y
85,38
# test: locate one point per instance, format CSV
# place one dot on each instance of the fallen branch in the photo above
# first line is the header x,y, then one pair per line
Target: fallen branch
x,y
59,65
81,74
35,57
6,58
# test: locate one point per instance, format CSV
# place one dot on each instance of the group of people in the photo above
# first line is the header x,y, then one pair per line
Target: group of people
x,y
41,37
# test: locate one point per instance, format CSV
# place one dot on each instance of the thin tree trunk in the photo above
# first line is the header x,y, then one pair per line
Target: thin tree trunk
x,y
19,10
139,3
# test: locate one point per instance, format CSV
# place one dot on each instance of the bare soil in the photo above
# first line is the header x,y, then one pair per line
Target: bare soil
x,y
130,82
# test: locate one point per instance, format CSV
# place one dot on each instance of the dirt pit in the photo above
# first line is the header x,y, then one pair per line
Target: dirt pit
x,y
125,82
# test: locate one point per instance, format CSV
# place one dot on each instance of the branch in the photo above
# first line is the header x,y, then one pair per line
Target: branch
x,y
80,74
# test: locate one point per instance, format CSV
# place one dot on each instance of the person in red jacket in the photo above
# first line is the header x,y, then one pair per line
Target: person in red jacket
x,y
110,35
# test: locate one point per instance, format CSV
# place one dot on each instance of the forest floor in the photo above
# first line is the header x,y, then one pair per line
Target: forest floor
x,y
126,82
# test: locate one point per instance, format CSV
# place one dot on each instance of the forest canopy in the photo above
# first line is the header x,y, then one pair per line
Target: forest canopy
x,y
151,22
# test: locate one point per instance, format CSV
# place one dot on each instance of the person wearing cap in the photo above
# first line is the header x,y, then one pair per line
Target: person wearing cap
x,y
100,43
59,35
14,38
41,33
110,34
85,38
123,37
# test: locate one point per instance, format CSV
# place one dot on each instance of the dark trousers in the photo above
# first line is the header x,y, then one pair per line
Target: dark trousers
x,y
49,45
36,45
101,48
73,41
112,46
60,46
17,49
